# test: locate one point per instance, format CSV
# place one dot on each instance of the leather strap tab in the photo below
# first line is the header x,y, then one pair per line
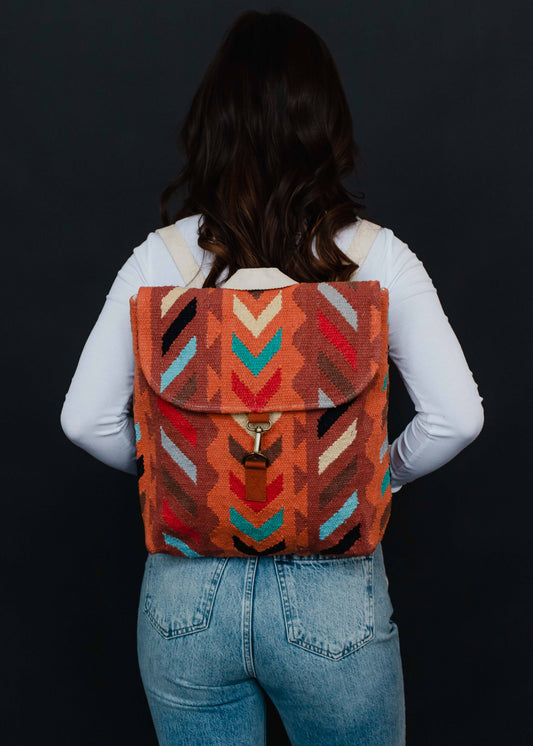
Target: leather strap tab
x,y
258,417
255,470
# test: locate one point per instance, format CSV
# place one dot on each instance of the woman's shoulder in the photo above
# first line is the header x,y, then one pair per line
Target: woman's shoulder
x,y
156,260
388,259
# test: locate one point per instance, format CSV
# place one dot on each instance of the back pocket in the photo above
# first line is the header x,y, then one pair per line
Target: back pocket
x,y
328,602
180,592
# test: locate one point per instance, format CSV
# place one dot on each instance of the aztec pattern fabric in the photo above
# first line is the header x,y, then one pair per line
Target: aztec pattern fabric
x,y
312,355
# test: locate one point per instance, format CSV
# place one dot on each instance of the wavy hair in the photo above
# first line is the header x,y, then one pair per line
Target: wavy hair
x,y
267,140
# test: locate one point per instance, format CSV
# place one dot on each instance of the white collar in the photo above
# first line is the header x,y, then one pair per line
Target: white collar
x,y
258,278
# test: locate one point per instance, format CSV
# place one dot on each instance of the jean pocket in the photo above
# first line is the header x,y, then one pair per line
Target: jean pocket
x,y
328,603
180,592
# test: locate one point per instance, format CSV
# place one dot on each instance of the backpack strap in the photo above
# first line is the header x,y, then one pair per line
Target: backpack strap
x,y
364,237
172,237
180,252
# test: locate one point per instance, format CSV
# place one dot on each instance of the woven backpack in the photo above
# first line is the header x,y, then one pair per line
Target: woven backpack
x,y
261,413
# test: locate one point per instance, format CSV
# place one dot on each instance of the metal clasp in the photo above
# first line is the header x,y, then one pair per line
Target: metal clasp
x,y
258,428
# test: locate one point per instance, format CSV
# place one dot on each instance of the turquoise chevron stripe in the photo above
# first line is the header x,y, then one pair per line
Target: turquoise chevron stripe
x,y
256,364
385,381
177,365
137,432
339,302
340,516
386,482
257,534
181,546
177,455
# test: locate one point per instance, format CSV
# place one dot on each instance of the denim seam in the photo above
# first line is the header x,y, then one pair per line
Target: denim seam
x,y
247,614
371,603
283,594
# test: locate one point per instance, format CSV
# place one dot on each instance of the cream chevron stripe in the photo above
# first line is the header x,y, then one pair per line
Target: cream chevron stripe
x,y
338,447
256,325
168,300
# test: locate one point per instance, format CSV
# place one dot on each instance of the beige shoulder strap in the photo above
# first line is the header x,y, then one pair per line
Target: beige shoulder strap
x,y
179,250
364,237
187,265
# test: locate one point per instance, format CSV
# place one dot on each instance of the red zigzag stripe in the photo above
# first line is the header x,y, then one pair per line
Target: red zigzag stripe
x,y
256,401
338,339
175,417
176,525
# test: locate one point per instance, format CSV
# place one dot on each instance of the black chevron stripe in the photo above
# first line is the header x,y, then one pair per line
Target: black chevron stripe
x,y
346,542
186,315
245,549
330,417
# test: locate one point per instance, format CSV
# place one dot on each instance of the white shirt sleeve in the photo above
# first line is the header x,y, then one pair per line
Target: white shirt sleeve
x,y
97,411
426,351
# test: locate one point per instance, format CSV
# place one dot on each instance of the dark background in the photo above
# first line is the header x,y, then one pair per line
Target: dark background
x,y
93,96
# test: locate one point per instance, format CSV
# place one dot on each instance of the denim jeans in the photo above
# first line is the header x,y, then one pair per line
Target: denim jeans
x,y
314,632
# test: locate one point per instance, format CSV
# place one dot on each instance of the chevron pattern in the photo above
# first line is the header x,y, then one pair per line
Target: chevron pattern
x,y
256,364
256,325
315,355
260,399
338,447
269,527
340,516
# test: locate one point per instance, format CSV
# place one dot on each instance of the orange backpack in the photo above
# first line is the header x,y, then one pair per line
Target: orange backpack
x,y
261,413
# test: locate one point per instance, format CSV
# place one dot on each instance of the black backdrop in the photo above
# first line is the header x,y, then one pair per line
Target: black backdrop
x,y
93,95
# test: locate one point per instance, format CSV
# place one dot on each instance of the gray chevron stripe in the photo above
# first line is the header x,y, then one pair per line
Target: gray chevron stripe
x,y
339,302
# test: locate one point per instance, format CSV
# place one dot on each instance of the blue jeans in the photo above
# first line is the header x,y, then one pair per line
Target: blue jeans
x,y
314,632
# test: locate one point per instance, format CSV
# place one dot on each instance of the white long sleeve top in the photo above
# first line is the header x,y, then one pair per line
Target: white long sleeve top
x,y
97,410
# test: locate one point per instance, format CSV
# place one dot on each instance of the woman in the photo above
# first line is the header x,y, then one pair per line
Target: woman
x,y
268,139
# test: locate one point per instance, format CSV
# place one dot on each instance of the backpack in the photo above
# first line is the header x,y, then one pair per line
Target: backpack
x,y
261,413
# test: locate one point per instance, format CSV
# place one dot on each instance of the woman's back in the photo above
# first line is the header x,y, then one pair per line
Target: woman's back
x,y
97,415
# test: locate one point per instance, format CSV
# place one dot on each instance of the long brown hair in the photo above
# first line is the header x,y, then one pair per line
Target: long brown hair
x,y
267,139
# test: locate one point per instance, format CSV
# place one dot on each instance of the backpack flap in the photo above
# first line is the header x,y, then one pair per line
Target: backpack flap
x,y
220,350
